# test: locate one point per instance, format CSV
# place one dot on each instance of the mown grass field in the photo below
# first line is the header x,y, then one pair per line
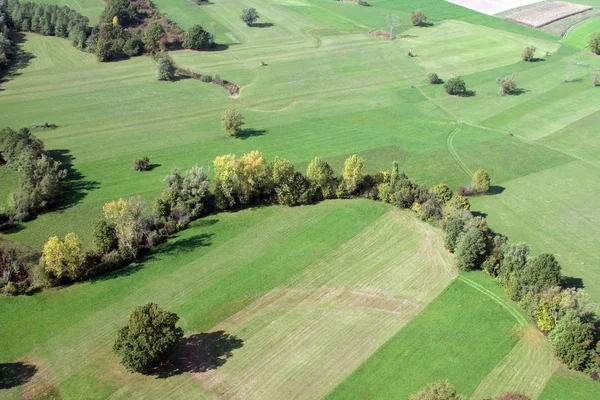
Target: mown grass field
x,y
330,90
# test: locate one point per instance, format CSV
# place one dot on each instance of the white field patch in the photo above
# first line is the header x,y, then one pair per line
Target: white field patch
x,y
304,337
545,14
491,7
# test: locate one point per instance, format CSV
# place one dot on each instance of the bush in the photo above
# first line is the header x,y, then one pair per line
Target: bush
x,y
441,390
232,121
206,78
573,341
150,332
528,53
507,84
140,164
217,79
165,70
470,250
249,16
455,86
152,36
594,42
417,17
196,38
433,78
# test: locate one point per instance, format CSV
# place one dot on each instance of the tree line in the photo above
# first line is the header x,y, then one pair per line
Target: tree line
x,y
6,44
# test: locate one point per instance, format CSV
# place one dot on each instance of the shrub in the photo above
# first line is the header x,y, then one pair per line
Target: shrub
x,y
249,16
232,121
165,70
465,190
206,78
140,164
594,43
417,17
596,78
455,86
481,181
441,390
433,78
573,341
511,396
470,250
152,36
196,38
431,209
507,84
150,332
528,53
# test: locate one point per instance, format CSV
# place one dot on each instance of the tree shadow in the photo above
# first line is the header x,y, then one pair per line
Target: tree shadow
x,y
496,189
572,282
537,59
469,93
479,214
221,46
15,374
180,246
576,80
518,91
425,24
20,60
248,133
198,353
153,166
261,25
75,186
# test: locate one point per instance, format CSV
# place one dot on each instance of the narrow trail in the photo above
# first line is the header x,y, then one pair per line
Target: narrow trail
x,y
452,150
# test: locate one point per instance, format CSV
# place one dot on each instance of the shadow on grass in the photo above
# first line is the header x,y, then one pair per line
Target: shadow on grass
x,y
572,282
469,93
153,166
198,353
15,374
519,91
20,60
496,189
425,24
248,133
537,59
261,25
75,186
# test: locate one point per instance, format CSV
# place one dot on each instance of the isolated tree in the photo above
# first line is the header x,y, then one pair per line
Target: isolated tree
x,y
63,258
152,36
573,341
507,85
354,172
453,230
320,174
481,181
417,17
455,86
440,390
232,121
470,250
249,16
165,70
196,38
150,332
528,53
433,78
594,42
392,21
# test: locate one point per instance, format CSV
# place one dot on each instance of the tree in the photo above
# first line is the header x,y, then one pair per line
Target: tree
x,y
123,10
455,86
433,78
417,18
195,191
453,230
470,250
440,390
514,257
540,273
573,341
320,175
394,175
165,70
507,85
249,16
594,42
528,53
196,38
126,216
481,181
152,36
105,237
232,121
149,334
63,258
392,21
353,173
441,192
140,164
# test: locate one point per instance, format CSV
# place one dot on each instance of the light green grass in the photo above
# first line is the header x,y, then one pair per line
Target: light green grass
x,y
90,8
580,35
570,385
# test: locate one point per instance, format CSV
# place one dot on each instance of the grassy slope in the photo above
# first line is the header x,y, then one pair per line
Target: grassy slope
x,y
90,8
580,35
216,269
570,385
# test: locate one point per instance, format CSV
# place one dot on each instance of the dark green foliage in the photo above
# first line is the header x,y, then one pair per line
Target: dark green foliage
x,y
6,44
431,210
152,36
514,257
196,38
594,42
455,86
470,250
363,3
492,263
433,78
249,16
19,148
540,273
206,78
573,341
165,70
453,229
124,10
17,267
149,334
184,198
47,19
105,237
291,187
132,47
110,40
140,164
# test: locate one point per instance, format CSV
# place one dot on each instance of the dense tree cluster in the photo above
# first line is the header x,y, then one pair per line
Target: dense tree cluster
x,y
6,27
196,38
125,12
19,268
49,20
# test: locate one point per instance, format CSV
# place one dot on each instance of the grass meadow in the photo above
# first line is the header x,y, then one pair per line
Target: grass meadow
x,y
343,286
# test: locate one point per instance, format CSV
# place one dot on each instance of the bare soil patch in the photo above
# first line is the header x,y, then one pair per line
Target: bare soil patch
x,y
545,14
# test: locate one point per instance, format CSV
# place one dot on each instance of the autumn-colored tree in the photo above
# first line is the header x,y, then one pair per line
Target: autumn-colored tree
x,y
115,20
481,181
126,215
320,174
354,173
62,259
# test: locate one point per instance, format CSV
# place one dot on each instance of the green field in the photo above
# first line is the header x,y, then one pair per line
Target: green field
x,y
314,282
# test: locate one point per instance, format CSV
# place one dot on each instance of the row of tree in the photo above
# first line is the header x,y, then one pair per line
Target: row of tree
x,y
6,44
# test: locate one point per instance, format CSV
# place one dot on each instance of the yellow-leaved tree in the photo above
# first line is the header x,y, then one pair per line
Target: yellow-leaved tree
x,y
115,20
126,215
63,258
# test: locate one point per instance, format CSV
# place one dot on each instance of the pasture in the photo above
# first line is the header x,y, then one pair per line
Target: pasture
x,y
304,287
